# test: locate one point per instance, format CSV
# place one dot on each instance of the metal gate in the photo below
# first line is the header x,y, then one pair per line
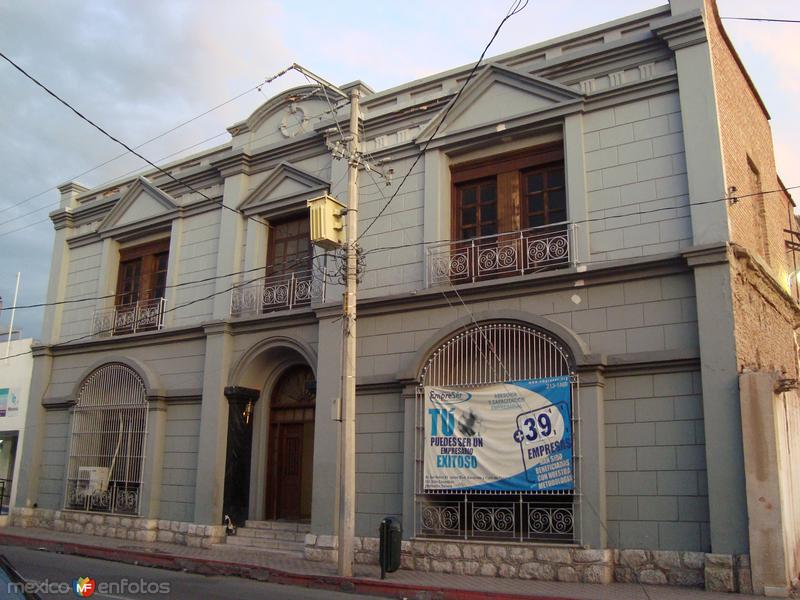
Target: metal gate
x,y
485,354
107,449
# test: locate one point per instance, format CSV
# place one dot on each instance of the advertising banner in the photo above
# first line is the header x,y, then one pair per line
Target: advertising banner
x,y
513,436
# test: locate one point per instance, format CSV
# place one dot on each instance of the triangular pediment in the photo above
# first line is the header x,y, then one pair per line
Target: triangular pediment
x,y
285,184
141,202
499,93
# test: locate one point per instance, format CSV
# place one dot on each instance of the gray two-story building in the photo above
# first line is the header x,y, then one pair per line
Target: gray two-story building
x,y
573,215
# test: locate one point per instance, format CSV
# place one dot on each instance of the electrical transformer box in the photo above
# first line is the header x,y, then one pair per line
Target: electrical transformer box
x,y
326,219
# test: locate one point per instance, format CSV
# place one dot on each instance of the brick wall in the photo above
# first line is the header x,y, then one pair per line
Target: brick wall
x,y
747,145
765,319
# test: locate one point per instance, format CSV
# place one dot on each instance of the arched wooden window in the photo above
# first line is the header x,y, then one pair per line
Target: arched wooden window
x,y
107,449
481,355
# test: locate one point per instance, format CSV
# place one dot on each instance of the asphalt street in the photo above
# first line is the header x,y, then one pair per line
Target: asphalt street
x,y
119,581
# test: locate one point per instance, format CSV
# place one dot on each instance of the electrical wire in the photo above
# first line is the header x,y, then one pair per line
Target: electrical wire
x,y
605,218
583,497
299,260
517,7
132,171
126,146
152,139
180,306
761,19
135,170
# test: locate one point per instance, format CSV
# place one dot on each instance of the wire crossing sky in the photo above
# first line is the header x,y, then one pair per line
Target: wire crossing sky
x,y
139,69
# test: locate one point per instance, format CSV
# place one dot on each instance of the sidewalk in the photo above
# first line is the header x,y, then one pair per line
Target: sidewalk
x,y
290,569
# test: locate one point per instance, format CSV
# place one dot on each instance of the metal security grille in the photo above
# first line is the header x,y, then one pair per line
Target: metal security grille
x,y
487,354
109,429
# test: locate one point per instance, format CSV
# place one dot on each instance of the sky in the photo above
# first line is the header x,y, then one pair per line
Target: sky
x,y
140,67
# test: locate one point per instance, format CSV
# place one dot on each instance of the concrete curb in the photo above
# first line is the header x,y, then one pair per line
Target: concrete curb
x,y
203,566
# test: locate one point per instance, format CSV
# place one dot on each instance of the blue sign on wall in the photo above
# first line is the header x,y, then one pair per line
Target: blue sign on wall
x,y
514,436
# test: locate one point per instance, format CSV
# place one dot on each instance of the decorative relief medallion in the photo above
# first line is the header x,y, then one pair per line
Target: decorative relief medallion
x,y
294,122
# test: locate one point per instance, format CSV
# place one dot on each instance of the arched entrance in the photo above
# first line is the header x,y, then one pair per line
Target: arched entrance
x,y
482,355
291,445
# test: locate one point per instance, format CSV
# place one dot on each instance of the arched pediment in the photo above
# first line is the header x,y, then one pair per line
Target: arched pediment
x,y
499,93
287,115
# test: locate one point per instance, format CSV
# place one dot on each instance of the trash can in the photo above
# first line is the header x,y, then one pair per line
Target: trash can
x,y
391,533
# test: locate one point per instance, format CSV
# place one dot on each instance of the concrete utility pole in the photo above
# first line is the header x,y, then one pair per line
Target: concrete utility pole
x,y
347,405
347,439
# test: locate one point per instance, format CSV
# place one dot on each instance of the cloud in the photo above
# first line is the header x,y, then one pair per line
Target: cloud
x,y
139,68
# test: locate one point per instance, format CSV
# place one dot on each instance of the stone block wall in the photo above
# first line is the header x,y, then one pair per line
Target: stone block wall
x,y
656,462
635,163
543,563
124,528
179,464
715,572
379,459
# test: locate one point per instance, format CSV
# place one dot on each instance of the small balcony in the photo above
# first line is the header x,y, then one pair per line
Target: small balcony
x,y
145,315
502,255
277,292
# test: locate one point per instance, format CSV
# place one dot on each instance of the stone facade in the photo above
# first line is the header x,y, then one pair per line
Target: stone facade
x,y
715,572
120,527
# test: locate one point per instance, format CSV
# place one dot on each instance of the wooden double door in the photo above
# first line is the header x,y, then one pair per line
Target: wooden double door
x,y
291,446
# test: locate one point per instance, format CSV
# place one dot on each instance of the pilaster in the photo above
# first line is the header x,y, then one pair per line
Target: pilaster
x,y
229,253
578,207
210,485
721,406
325,486
591,449
33,440
150,501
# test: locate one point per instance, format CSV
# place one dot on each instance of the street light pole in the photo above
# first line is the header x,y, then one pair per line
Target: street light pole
x,y
347,440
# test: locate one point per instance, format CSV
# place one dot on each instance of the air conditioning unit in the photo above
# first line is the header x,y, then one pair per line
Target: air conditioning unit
x,y
92,479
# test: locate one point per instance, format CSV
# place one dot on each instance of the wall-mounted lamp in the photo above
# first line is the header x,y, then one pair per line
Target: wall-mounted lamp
x,y
247,412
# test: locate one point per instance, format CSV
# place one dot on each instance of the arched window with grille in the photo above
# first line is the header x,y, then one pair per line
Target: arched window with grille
x,y
486,354
107,447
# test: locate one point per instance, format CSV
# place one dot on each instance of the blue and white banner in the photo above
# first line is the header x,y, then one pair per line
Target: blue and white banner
x,y
514,436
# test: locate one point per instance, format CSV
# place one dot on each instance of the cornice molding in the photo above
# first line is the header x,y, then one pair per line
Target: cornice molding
x,y
706,254
235,163
683,30
62,218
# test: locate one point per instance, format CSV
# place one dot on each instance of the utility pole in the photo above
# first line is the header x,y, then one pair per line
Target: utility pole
x,y
347,439
324,234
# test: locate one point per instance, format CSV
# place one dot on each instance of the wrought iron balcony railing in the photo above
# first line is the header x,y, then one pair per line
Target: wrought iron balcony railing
x,y
277,292
145,315
502,255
